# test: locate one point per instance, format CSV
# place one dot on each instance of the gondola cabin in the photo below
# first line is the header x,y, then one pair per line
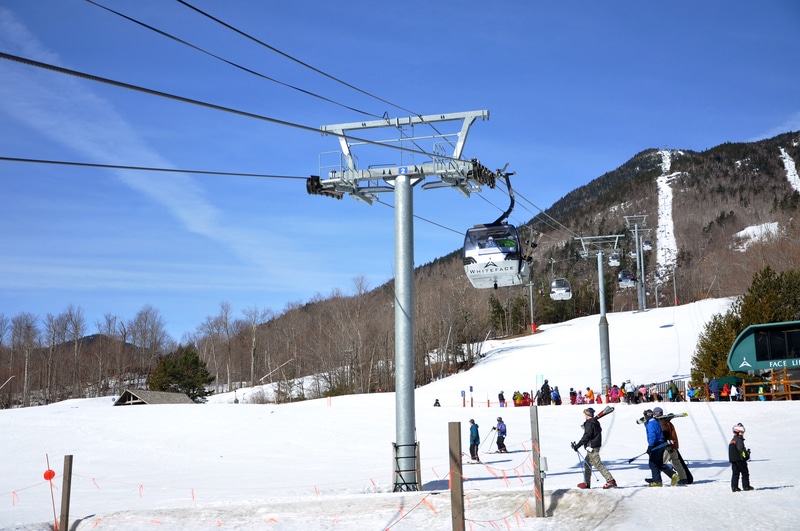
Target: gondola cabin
x,y
560,290
626,279
493,257
613,259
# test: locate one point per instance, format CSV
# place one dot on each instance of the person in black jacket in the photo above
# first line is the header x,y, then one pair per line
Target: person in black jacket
x,y
545,394
738,455
592,440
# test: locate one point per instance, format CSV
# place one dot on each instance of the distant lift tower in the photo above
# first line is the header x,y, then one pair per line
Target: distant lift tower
x,y
445,170
637,224
599,242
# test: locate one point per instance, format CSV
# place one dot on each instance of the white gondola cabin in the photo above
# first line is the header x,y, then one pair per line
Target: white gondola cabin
x,y
626,279
560,290
613,259
493,256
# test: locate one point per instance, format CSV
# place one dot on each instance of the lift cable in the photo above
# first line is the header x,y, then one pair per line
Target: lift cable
x,y
461,232
310,67
167,95
143,168
236,65
287,56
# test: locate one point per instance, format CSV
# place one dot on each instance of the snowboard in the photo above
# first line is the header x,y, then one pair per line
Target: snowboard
x,y
689,476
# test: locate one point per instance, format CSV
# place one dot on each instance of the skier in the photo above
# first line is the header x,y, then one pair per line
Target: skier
x,y
556,396
673,392
545,394
573,396
501,435
592,440
713,388
655,449
502,398
671,454
738,456
589,395
474,440
630,392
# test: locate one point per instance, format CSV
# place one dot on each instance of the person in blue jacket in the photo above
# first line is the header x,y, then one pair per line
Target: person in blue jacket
x,y
655,449
501,435
474,440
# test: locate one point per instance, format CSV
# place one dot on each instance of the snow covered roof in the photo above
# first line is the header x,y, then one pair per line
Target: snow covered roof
x,y
140,396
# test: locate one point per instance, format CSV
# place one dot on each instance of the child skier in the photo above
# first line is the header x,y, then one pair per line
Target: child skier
x,y
738,455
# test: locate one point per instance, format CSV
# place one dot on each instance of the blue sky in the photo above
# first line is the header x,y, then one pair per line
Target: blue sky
x,y
574,90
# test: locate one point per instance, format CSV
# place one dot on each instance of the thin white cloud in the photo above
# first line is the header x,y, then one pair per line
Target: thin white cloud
x,y
792,123
68,112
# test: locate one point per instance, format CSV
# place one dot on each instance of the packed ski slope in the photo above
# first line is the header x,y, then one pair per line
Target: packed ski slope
x,y
326,464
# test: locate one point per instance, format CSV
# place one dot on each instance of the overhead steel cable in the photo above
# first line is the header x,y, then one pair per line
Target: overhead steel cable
x,y
310,67
231,63
214,106
291,58
144,168
423,219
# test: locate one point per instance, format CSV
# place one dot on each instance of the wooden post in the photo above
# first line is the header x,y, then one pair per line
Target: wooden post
x,y
66,488
536,456
456,477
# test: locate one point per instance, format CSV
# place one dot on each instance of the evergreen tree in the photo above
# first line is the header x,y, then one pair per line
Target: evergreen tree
x,y
771,298
181,371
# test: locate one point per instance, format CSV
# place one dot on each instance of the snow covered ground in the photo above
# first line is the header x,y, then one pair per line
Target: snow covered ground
x,y
327,464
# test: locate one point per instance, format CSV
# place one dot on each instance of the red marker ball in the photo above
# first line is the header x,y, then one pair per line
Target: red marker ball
x,y
49,474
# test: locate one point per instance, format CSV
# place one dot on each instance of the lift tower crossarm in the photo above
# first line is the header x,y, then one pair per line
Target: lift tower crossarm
x,y
598,241
466,176
468,118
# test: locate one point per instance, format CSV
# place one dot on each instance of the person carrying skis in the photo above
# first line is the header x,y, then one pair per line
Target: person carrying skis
x,y
671,454
501,435
592,440
738,456
474,440
655,449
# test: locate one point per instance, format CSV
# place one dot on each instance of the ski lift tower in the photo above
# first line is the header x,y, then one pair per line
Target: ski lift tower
x,y
443,170
599,242
636,224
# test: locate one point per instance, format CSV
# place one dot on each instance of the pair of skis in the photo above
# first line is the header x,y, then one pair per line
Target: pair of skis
x,y
668,417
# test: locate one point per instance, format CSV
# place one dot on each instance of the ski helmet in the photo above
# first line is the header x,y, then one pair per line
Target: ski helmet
x,y
589,411
499,419
657,411
738,428
648,413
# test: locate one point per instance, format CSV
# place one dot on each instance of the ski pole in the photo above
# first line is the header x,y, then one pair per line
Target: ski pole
x,y
581,458
632,459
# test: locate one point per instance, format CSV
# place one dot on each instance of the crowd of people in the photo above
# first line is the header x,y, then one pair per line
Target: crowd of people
x,y
663,452
663,447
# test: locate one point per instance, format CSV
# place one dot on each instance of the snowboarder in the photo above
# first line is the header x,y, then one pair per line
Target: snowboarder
x,y
738,455
671,453
592,440
501,435
436,403
655,449
474,440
